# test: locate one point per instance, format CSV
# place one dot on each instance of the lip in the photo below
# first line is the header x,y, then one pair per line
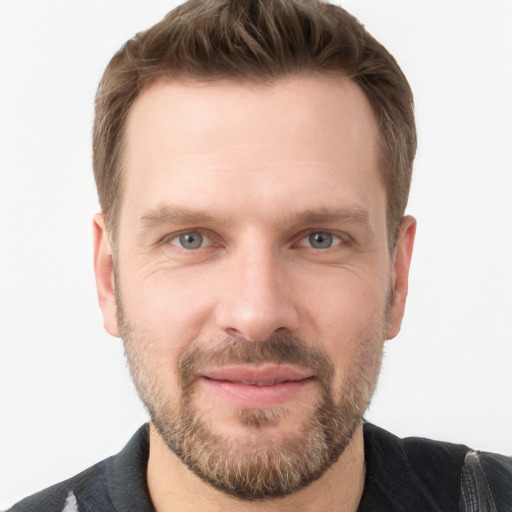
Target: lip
x,y
256,387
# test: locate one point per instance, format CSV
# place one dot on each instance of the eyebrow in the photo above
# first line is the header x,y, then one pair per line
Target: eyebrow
x,y
166,215
347,215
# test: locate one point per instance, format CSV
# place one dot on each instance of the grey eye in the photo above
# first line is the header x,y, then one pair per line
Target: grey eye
x,y
321,240
190,241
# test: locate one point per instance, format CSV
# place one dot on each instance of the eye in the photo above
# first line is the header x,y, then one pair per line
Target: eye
x,y
190,241
321,240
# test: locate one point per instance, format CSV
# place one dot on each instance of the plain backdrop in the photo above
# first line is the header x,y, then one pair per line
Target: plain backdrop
x,y
66,398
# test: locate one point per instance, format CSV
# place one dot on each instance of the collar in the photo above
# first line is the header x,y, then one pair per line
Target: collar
x,y
401,474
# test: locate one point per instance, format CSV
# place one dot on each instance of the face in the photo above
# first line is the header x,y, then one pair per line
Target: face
x,y
253,284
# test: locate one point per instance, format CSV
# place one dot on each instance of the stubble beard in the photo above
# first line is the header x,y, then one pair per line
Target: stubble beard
x,y
254,466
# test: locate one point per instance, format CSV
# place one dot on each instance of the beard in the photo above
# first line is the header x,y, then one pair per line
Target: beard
x,y
253,465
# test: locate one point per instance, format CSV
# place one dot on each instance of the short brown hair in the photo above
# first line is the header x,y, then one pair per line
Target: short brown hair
x,y
256,40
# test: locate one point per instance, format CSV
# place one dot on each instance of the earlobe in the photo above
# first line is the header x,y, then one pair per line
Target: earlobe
x,y
401,264
104,272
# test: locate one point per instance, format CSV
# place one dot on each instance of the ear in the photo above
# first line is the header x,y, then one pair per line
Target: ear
x,y
104,272
401,263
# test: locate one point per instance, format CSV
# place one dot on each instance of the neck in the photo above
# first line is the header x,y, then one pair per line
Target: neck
x,y
173,487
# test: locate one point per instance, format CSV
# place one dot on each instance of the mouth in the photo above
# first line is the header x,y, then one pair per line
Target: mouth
x,y
256,387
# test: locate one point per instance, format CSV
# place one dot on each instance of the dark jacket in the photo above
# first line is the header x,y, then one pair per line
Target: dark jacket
x,y
409,475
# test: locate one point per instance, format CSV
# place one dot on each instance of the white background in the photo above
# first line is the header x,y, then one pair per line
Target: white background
x,y
66,398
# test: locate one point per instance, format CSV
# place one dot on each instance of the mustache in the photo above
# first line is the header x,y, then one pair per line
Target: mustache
x,y
279,348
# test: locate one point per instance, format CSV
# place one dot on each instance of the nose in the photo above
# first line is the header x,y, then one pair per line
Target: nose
x,y
256,299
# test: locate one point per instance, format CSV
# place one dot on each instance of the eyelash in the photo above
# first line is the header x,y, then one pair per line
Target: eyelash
x,y
338,238
173,238
334,238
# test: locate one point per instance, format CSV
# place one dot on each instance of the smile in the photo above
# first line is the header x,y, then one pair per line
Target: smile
x,y
256,387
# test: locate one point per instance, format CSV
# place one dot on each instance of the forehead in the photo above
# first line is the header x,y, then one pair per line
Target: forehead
x,y
224,144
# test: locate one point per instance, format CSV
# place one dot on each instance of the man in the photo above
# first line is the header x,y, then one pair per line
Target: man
x,y
253,162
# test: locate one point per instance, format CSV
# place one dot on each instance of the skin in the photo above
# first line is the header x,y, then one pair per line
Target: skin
x,y
255,169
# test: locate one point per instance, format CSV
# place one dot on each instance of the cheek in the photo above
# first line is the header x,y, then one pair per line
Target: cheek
x,y
170,307
344,304
347,321
164,318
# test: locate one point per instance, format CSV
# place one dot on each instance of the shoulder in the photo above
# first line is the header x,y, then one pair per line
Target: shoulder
x,y
116,483
486,482
415,473
64,496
